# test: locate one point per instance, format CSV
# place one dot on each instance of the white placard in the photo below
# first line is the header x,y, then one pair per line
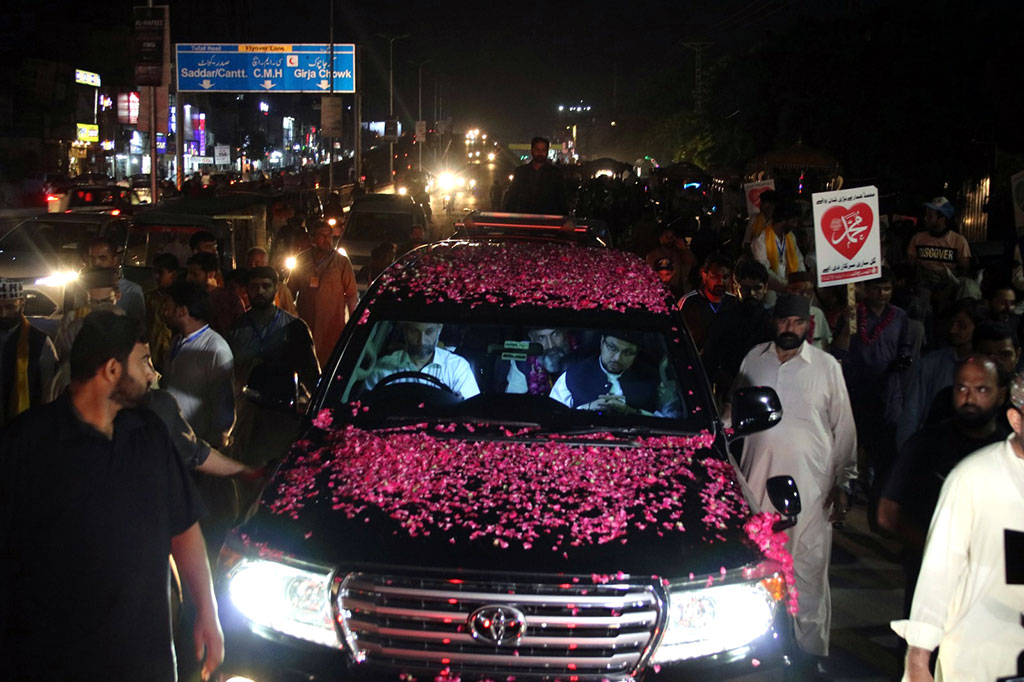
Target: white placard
x,y
847,235
752,193
222,154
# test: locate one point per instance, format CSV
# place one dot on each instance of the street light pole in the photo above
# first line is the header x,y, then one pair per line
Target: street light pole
x,y
391,97
420,112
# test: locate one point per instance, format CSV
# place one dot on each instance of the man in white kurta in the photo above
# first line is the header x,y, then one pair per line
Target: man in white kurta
x,y
815,443
963,604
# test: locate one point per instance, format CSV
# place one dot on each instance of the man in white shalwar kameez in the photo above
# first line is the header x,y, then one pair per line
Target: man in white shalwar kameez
x,y
963,604
815,443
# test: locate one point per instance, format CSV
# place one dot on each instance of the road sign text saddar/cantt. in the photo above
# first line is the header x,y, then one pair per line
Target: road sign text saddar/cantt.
x,y
211,67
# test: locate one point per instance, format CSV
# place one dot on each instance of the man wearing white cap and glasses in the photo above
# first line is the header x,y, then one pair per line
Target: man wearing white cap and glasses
x,y
27,356
963,603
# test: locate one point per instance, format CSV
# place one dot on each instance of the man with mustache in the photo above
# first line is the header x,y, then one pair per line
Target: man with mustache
x,y
421,354
618,380
94,478
537,186
701,306
964,604
912,489
816,444
267,335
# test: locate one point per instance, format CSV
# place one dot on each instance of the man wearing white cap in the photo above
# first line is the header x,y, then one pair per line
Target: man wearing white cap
x,y
27,356
963,602
938,251
816,444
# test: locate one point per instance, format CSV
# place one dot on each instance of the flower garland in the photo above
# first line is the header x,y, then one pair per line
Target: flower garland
x,y
862,316
773,545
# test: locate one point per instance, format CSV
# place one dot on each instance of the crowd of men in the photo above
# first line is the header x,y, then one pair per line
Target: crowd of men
x,y
886,395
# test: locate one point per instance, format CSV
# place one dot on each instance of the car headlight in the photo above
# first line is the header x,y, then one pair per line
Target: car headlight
x,y
403,191
287,599
709,620
446,181
58,279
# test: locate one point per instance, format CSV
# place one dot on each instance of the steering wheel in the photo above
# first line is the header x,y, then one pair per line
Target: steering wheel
x,y
423,376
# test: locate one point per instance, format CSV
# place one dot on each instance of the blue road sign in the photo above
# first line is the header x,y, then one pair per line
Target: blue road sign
x,y
276,67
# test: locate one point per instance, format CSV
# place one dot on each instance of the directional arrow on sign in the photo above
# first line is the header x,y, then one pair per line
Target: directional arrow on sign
x,y
267,84
206,84
324,84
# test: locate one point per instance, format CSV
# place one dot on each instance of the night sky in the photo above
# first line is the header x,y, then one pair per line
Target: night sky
x,y
505,66
915,94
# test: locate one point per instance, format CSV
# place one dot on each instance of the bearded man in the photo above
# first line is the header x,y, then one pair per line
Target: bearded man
x,y
816,444
267,335
912,489
93,476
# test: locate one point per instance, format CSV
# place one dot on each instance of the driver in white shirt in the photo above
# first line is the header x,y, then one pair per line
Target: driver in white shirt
x,y
421,354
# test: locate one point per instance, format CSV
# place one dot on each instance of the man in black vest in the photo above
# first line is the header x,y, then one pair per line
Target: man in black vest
x,y
537,186
615,380
28,359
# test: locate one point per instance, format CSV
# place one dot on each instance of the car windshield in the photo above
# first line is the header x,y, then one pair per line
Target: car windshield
x,y
561,378
378,227
40,236
94,196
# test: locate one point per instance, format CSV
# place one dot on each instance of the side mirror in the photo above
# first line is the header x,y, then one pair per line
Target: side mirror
x,y
272,387
785,497
754,409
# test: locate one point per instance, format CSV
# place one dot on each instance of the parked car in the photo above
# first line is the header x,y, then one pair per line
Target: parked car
x,y
93,179
420,530
48,250
112,199
377,218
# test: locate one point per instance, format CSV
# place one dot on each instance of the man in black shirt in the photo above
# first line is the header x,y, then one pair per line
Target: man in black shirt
x,y
739,328
912,490
701,306
537,186
93,499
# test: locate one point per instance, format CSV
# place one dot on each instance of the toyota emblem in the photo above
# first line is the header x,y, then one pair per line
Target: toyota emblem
x,y
497,624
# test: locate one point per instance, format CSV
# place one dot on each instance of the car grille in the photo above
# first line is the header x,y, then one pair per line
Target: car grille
x,y
576,630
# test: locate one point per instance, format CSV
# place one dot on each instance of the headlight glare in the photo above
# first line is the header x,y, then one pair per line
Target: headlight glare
x,y
711,620
290,600
58,279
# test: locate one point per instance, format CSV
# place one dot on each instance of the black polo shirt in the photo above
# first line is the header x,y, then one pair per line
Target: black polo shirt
x,y
85,532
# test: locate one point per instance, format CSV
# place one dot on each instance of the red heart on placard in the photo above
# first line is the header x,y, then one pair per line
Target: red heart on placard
x,y
846,229
754,195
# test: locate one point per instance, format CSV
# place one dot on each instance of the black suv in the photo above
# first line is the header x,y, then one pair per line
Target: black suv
x,y
460,508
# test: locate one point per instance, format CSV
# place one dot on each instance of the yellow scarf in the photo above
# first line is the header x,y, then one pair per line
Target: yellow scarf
x,y
19,391
773,251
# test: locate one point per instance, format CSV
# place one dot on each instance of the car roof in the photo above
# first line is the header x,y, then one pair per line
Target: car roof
x,y
511,273
477,225
96,188
74,217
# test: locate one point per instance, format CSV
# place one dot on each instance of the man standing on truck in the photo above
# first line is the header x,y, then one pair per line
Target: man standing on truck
x,y
537,186
816,444
325,287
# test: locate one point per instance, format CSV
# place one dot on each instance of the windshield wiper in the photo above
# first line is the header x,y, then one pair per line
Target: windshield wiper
x,y
632,430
